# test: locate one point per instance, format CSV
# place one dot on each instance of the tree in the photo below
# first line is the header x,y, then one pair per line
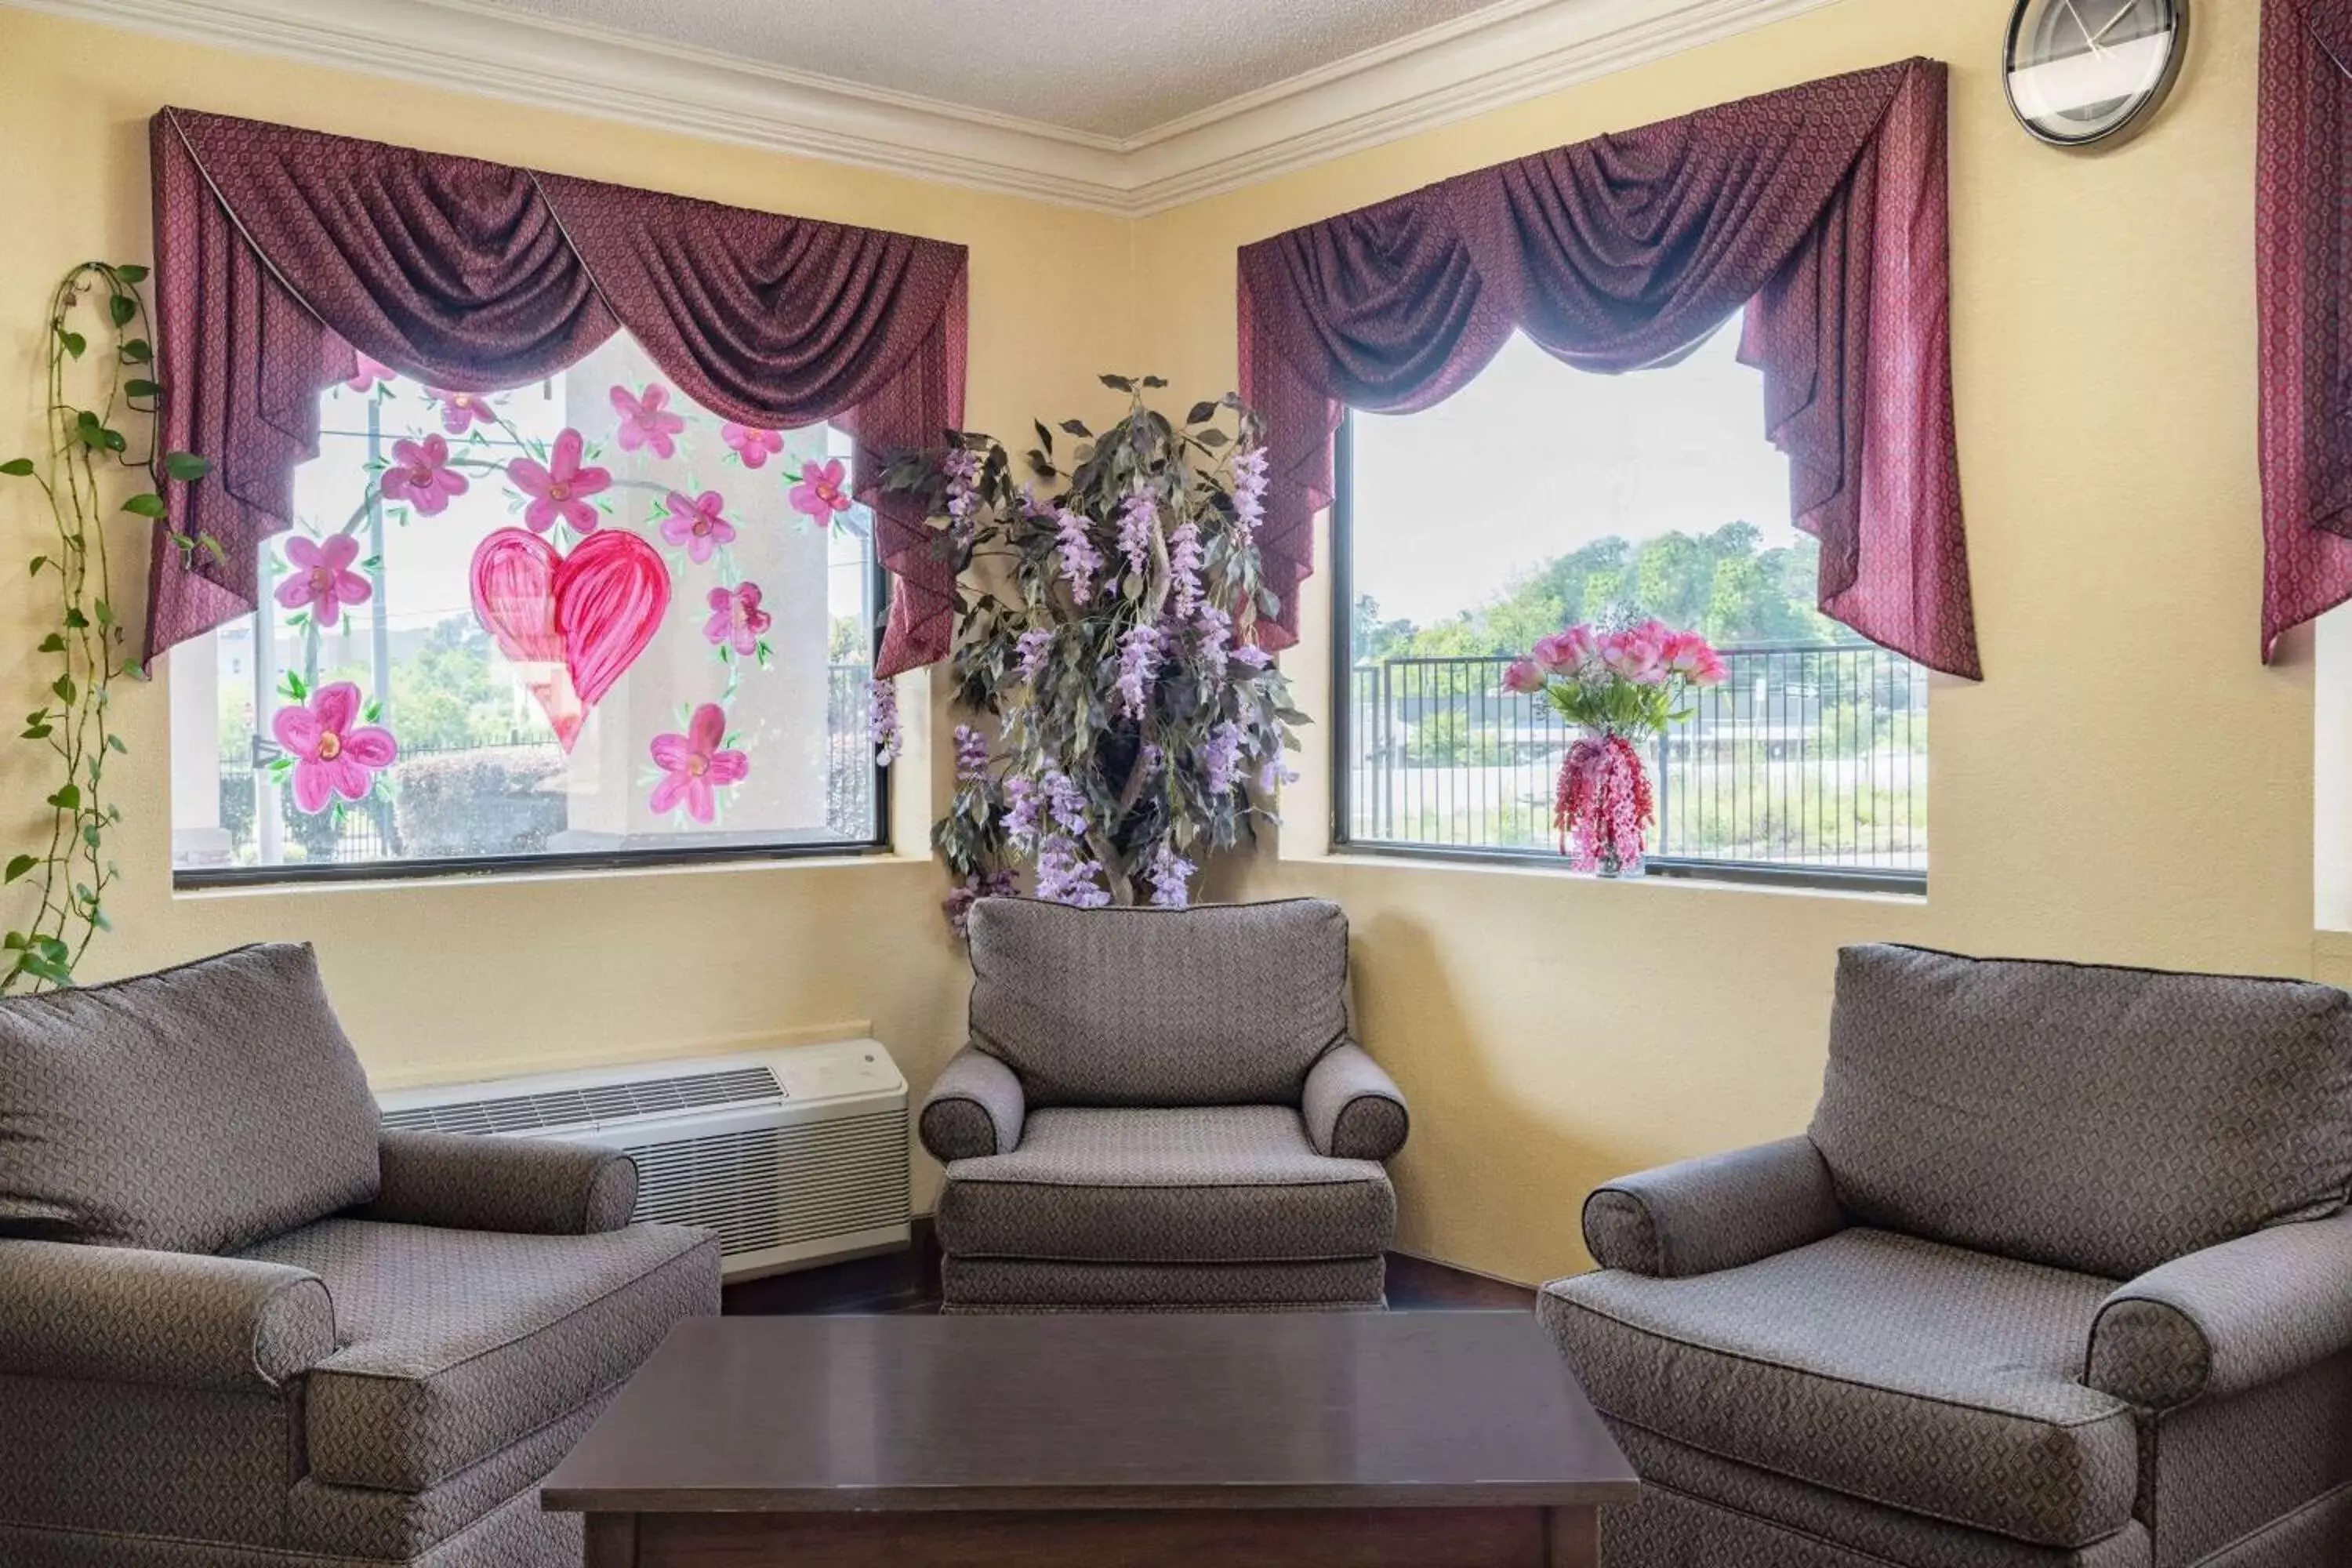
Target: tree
x,y
444,698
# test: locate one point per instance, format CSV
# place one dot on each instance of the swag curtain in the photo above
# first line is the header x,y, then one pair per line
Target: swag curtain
x,y
2304,264
1822,209
280,252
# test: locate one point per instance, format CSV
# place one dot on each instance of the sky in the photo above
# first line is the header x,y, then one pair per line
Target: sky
x,y
1533,460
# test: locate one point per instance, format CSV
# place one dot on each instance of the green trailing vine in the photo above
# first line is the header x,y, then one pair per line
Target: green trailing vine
x,y
70,873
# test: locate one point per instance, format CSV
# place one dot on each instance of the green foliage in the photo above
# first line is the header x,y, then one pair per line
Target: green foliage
x,y
65,881
445,698
1181,777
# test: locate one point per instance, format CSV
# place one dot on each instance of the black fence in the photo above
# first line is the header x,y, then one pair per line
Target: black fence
x,y
1807,758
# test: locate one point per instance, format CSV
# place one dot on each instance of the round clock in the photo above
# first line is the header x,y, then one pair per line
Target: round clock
x,y
2086,71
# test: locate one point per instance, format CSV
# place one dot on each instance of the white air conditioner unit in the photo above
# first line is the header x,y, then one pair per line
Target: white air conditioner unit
x,y
795,1157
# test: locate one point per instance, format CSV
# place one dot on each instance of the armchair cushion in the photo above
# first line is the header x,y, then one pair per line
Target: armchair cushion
x,y
196,1109
975,1108
2105,1121
1898,1371
457,1344
1354,1110
1210,1184
180,1319
1719,1211
527,1186
2229,1319
1225,1005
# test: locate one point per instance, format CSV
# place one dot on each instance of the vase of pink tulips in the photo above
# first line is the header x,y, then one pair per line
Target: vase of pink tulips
x,y
1621,687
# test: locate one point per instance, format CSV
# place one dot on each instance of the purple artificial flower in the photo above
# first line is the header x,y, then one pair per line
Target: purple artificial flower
x,y
882,721
1184,562
1080,560
958,904
1172,878
1137,516
1221,759
961,467
1021,803
1273,775
1067,803
970,754
1216,629
1036,643
1249,489
1139,663
1064,879
1250,653
1151,760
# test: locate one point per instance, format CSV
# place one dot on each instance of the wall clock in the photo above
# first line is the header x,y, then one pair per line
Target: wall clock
x,y
2086,72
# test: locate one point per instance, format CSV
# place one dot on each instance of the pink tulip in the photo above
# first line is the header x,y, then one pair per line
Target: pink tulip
x,y
693,766
322,578
1563,652
333,754
1524,678
420,476
559,489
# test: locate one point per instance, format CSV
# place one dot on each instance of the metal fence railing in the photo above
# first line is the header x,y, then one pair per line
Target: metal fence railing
x,y
1807,758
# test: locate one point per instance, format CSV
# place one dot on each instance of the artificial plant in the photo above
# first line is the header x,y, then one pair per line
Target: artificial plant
x,y
1107,605
66,878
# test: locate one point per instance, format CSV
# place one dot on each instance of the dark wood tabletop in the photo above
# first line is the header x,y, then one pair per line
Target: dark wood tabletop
x,y
1341,1410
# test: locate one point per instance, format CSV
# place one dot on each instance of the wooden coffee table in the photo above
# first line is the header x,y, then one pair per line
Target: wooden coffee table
x,y
1341,1440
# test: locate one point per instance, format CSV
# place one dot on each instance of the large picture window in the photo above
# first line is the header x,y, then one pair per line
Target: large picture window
x,y
580,621
1540,496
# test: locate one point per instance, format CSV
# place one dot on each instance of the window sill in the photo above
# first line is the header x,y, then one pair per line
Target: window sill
x,y
394,877
1699,877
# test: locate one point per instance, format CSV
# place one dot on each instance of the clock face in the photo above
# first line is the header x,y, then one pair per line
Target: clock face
x,y
2082,70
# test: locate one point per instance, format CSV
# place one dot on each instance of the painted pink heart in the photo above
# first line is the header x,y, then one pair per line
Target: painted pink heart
x,y
572,623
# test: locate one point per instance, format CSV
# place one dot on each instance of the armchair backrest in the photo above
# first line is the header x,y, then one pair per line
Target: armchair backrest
x,y
2091,1118
198,1110
1225,1005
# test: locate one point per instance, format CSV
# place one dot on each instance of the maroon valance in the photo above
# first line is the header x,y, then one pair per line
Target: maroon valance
x,y
2304,262
1823,210
279,252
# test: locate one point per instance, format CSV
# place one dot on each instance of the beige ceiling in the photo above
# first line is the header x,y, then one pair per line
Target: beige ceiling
x,y
1112,68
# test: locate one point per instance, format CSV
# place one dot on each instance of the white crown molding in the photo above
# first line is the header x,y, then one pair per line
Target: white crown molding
x,y
1506,54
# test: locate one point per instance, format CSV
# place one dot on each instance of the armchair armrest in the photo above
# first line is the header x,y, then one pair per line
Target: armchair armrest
x,y
975,1108
1352,1109
1719,1211
524,1186
2227,1319
183,1320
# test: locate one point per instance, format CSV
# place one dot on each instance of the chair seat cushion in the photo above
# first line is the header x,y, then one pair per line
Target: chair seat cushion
x,y
1206,1184
1902,1371
457,1344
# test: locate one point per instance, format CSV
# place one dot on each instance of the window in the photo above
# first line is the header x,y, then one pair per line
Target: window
x,y
582,621
1542,496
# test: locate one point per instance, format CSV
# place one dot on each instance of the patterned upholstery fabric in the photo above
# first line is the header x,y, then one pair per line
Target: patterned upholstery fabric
x,y
1217,1185
526,1186
459,1342
2105,1121
2229,1319
1719,1211
1216,1005
128,1110
976,1107
1003,1284
125,1315
1351,1108
2220,1470
516,1534
1892,1369
1881,1535
1669,1529
2316,1535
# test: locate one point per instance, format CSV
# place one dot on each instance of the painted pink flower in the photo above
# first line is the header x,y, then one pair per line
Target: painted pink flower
x,y
322,578
560,489
753,447
369,372
646,421
736,619
822,492
1562,652
334,753
693,767
696,521
420,476
460,410
1523,677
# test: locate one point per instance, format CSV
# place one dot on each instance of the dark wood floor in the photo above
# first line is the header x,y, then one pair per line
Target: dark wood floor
x,y
909,1282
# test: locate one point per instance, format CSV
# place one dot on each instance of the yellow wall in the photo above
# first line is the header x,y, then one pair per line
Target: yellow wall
x,y
1551,1032
2128,783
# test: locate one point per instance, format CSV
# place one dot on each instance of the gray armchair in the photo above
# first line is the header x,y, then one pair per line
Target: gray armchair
x,y
241,1326
1163,1109
2060,1277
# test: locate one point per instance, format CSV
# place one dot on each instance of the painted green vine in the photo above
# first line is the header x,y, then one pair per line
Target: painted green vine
x,y
70,873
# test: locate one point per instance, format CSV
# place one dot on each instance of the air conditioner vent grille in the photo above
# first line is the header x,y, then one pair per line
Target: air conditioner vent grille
x,y
778,1186
604,1104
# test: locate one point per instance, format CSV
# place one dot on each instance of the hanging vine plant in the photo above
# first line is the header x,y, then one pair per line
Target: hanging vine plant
x,y
66,878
